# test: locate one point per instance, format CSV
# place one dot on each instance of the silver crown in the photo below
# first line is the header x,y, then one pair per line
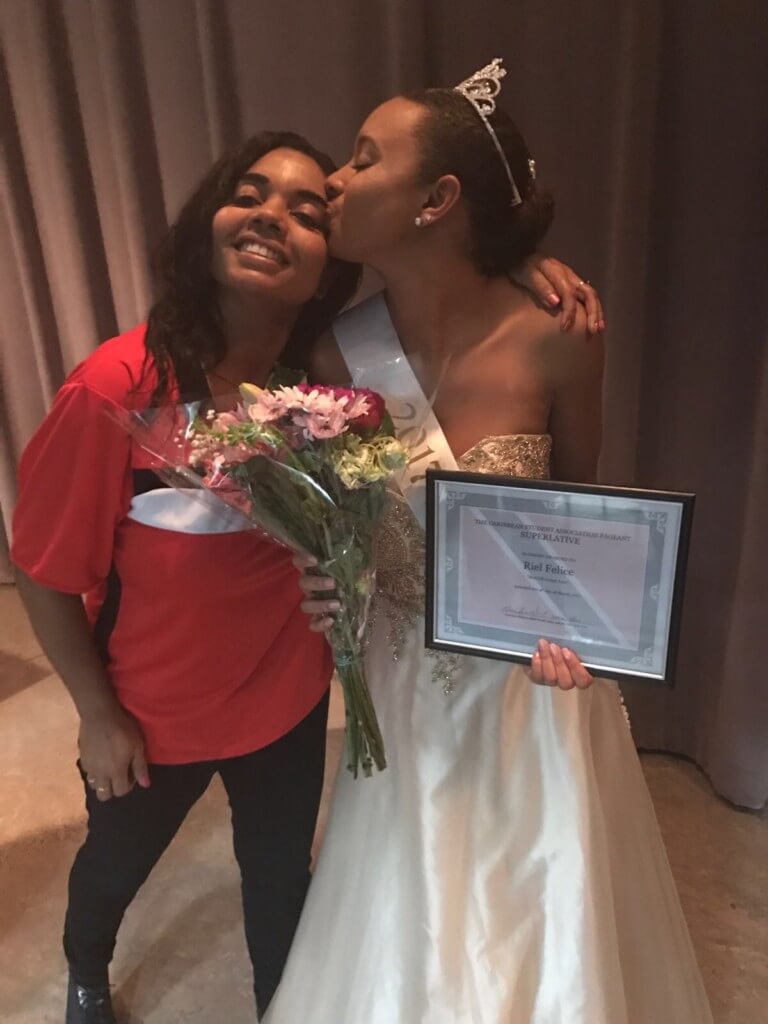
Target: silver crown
x,y
481,90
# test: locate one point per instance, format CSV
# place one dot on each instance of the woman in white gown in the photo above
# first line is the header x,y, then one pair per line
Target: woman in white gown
x,y
506,867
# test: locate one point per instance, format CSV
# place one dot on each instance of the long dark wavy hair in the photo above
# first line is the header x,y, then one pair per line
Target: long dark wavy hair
x,y
185,334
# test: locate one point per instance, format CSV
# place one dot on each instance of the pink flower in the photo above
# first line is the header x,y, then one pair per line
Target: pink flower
x,y
317,389
224,420
272,405
322,415
357,406
323,425
319,411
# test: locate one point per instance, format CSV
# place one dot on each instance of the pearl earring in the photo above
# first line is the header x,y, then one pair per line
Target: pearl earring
x,y
421,222
418,222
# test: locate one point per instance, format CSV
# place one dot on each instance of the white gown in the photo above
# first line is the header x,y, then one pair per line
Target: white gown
x,y
507,867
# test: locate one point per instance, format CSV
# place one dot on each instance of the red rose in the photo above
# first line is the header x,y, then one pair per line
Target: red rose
x,y
370,420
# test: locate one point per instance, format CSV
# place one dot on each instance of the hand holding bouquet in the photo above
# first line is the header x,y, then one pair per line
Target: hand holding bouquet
x,y
309,465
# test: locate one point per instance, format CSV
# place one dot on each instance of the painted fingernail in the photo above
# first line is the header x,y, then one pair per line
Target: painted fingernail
x,y
567,653
542,646
553,300
334,606
555,649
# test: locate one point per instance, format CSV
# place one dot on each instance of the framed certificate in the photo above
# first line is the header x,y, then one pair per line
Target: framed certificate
x,y
598,569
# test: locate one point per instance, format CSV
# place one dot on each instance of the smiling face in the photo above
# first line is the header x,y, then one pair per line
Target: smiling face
x,y
377,195
269,239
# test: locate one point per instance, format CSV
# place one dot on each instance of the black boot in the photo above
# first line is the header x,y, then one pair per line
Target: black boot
x,y
89,1005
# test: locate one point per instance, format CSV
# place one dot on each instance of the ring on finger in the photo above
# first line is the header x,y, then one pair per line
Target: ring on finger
x,y
585,284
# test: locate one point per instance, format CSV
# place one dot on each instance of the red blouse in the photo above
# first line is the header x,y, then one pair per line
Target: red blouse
x,y
199,620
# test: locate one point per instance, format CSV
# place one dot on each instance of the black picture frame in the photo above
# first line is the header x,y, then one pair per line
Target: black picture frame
x,y
685,500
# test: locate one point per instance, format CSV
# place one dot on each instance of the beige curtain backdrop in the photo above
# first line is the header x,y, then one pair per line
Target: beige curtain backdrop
x,y
649,120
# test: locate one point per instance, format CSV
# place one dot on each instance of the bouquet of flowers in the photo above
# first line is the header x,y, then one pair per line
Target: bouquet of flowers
x,y
308,466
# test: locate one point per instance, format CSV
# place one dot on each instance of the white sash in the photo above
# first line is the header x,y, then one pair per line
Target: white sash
x,y
374,356
186,511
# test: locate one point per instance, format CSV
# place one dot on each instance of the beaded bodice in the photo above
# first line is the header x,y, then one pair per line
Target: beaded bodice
x,y
400,550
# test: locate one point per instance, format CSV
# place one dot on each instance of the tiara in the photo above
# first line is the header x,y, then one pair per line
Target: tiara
x,y
481,90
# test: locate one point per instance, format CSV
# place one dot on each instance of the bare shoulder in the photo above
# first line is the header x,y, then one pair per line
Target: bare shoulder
x,y
326,364
572,364
568,356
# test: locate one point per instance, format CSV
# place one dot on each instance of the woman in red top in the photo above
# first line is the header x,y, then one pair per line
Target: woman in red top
x,y
191,655
170,683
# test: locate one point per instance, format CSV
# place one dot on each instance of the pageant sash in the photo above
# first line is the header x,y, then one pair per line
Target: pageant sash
x,y
375,359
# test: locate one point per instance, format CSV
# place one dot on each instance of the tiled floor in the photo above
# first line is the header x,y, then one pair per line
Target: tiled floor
x,y
182,957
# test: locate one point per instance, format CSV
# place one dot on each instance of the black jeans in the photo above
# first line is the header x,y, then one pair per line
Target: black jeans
x,y
274,796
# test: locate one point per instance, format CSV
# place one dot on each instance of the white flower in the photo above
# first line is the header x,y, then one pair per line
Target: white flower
x,y
361,463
